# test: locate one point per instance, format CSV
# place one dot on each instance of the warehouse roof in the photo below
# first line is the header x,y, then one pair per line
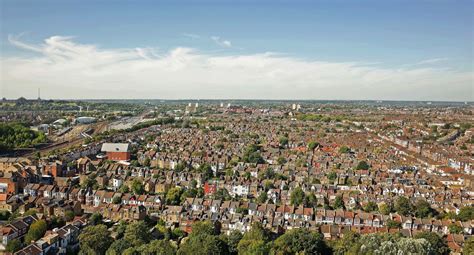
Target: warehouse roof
x,y
115,147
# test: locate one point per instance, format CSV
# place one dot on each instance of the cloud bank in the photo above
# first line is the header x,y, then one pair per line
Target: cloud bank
x,y
63,68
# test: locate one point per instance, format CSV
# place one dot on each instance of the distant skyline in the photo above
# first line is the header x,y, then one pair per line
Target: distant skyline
x,y
321,50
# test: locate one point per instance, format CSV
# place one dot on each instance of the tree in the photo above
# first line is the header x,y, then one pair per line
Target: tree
x,y
455,229
117,200
95,219
118,247
403,206
385,208
362,165
262,198
297,196
69,215
95,239
310,200
13,246
203,228
393,224
437,242
343,245
339,203
312,145
36,231
173,197
299,241
344,149
281,160
137,233
203,240
466,213
469,246
283,141
423,209
254,241
137,187
233,240
371,206
162,247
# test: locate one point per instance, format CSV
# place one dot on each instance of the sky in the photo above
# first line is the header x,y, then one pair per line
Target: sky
x,y
349,50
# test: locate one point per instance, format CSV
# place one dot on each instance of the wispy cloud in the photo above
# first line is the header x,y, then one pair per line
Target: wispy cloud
x,y
431,61
192,36
221,42
67,69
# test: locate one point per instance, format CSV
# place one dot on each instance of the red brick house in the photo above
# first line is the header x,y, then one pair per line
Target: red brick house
x,y
116,151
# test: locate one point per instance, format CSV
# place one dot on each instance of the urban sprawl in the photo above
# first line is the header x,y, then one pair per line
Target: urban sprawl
x,y
236,177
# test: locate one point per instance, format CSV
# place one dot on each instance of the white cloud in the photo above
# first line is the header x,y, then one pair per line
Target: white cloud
x,y
66,69
192,36
431,61
221,42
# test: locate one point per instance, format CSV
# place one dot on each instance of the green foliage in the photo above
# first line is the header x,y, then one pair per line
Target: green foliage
x,y
390,244
95,239
393,224
371,206
137,187
137,233
299,241
283,141
36,231
4,215
344,149
203,240
222,194
117,200
346,243
297,196
161,247
233,240
255,241
206,171
385,208
440,246
403,206
362,165
469,246
203,228
423,209
262,198
455,229
252,154
312,145
339,203
95,219
69,216
173,197
17,135
466,213
118,247
310,200
13,246
281,160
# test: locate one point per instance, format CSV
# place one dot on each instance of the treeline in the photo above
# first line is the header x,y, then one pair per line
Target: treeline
x,y
206,238
150,123
18,135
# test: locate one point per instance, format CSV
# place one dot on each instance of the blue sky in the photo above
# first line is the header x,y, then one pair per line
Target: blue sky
x,y
390,34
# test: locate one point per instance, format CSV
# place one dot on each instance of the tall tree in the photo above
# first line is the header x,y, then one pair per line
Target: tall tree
x,y
299,241
137,233
36,231
403,206
95,239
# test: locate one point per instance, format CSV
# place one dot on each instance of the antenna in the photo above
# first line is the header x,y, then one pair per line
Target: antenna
x,y
39,93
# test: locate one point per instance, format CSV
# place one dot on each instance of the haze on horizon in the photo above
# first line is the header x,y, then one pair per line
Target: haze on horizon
x,y
395,50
